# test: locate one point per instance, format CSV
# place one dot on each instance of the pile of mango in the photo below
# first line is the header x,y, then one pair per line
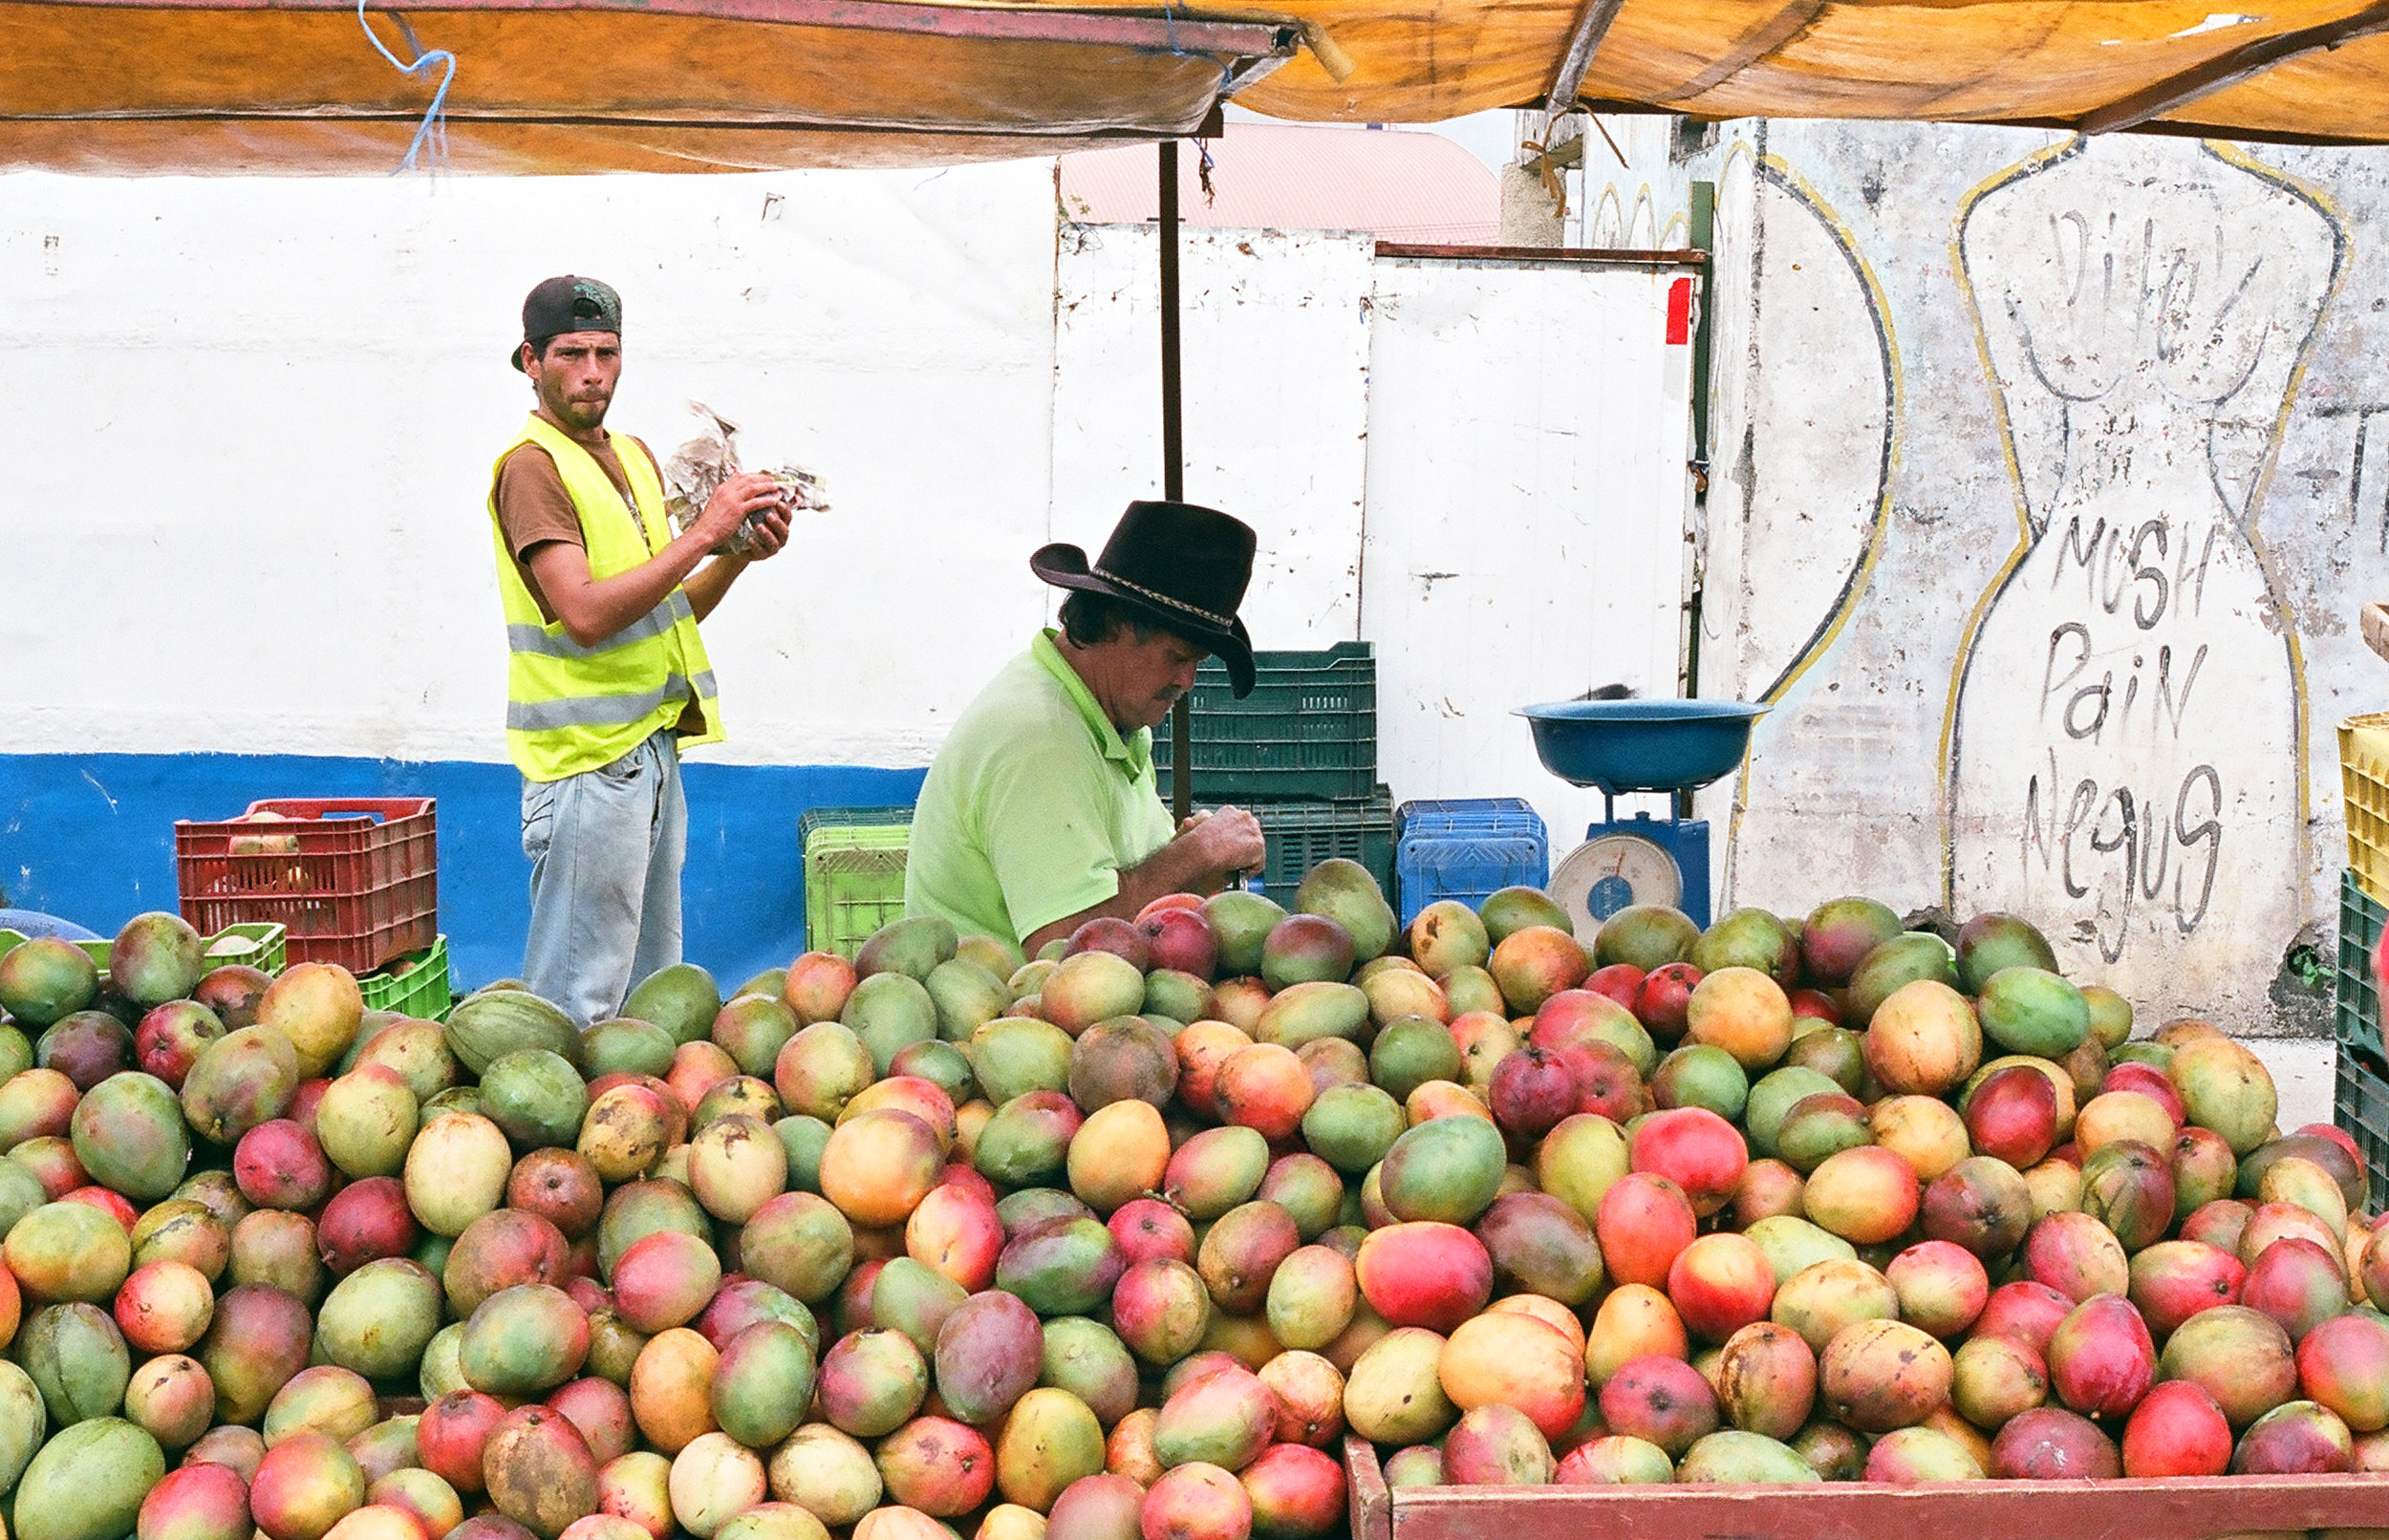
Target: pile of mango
x,y
1123,1241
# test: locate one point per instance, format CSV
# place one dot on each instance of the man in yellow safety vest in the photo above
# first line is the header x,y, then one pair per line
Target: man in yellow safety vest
x,y
606,674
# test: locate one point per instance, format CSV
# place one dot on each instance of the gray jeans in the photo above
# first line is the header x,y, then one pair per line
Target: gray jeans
x,y
606,847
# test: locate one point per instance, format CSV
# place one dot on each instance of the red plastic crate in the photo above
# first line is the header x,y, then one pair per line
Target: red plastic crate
x,y
360,888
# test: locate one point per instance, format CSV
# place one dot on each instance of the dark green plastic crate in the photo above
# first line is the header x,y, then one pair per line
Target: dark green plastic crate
x,y
2360,1094
1301,835
2358,998
1308,729
2360,1105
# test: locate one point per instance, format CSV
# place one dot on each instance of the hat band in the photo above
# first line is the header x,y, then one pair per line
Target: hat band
x,y
1217,622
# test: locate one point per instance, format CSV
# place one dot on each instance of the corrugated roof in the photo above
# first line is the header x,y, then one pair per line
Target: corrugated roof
x,y
1401,184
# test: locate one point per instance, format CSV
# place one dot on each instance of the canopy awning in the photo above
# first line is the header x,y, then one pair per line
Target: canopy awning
x,y
295,86
2308,69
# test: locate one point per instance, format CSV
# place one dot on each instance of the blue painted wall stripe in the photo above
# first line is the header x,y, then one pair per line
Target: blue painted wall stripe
x,y
90,837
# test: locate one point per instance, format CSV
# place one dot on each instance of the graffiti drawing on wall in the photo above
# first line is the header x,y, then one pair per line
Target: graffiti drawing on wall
x,y
2124,745
1830,411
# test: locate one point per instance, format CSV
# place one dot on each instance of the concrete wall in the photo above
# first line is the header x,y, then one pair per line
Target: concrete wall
x,y
2045,485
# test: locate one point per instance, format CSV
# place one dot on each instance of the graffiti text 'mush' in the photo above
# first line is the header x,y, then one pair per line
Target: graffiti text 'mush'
x,y
2114,568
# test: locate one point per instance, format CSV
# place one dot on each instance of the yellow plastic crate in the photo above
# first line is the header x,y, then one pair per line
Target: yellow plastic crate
x,y
2364,782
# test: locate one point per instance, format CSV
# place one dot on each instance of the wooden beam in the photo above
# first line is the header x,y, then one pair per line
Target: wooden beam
x,y
2178,1507
1592,24
2375,621
1369,1504
1775,31
1158,33
2230,68
2182,1507
1581,256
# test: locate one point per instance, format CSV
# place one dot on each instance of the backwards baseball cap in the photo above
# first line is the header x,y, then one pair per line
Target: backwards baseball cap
x,y
557,305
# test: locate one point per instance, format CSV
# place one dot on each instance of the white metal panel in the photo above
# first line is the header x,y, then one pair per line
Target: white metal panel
x,y
1276,340
250,424
1528,427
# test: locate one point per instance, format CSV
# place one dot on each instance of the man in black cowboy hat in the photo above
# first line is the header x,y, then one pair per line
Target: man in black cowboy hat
x,y
1041,812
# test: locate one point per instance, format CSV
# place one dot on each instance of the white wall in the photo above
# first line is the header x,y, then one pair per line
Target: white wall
x,y
1274,378
250,424
1526,494
1477,466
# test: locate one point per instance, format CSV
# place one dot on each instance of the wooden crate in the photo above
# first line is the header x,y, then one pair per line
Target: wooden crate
x,y
2204,1507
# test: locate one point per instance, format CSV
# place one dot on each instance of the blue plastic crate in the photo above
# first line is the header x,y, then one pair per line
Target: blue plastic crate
x,y
1472,815
1466,850
2360,1099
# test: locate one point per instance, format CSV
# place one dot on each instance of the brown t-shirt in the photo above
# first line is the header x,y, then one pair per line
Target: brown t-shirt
x,y
534,508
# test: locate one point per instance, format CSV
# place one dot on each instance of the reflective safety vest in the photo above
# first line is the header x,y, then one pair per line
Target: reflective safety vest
x,y
572,708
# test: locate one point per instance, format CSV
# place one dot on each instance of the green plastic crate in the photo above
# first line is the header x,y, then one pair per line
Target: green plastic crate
x,y
854,874
2360,1105
259,944
2358,998
422,992
2361,1099
1308,729
1301,835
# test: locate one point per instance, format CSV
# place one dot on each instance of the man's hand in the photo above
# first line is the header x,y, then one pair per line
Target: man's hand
x,y
751,492
1228,841
755,493
1209,852
768,534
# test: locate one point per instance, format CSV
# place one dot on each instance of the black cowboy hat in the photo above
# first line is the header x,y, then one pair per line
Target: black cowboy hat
x,y
1185,565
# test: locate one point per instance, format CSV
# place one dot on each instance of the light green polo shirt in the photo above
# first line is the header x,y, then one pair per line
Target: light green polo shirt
x,y
1034,807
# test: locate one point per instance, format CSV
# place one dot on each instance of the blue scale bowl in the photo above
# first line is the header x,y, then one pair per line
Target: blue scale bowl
x,y
1642,745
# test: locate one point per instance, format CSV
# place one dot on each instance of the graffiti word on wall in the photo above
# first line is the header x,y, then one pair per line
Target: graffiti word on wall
x,y
2126,752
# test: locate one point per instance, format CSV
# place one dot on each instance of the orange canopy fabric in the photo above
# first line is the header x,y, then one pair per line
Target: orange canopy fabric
x,y
296,86
293,86
2038,62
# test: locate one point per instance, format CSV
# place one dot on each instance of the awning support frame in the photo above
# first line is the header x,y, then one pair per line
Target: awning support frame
x,y
2231,68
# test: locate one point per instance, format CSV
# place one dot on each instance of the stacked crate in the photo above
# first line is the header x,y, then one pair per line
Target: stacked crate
x,y
353,880
1300,753
2361,1102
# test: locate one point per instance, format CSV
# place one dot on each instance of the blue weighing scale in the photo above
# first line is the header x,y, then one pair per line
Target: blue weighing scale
x,y
1638,746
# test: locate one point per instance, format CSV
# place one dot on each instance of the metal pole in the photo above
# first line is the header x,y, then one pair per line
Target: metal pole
x,y
1704,237
1173,456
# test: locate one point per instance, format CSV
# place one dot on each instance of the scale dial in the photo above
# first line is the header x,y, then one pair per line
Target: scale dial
x,y
1606,874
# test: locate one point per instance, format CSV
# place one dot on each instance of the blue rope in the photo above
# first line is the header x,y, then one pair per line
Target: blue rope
x,y
434,129
1170,24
